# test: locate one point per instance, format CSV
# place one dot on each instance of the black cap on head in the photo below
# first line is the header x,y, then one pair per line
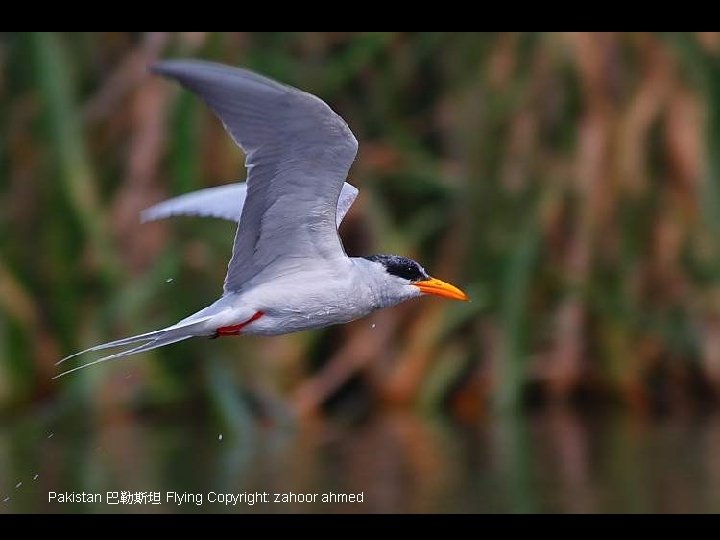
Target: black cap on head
x,y
401,267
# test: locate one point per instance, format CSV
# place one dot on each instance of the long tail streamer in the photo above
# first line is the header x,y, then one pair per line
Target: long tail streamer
x,y
150,340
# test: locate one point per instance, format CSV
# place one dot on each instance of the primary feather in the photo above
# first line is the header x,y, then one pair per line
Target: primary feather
x,y
226,202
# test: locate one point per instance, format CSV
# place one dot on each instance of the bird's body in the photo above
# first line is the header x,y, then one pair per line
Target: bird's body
x,y
330,295
288,270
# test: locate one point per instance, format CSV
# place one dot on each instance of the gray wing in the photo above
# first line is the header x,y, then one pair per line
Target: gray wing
x,y
298,153
226,202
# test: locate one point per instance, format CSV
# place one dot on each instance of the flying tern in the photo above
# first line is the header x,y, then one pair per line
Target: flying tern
x,y
288,270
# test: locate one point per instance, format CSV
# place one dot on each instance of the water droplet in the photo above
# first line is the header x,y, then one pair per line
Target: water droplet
x,y
18,484
373,325
220,437
169,280
36,476
50,436
6,499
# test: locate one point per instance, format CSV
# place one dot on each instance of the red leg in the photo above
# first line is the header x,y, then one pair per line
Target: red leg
x,y
235,329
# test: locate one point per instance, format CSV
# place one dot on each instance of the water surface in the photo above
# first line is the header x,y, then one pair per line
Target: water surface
x,y
555,461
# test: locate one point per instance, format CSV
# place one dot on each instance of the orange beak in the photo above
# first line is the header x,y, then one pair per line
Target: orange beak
x,y
440,288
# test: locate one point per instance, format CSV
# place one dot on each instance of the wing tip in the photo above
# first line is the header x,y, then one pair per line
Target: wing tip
x,y
148,215
175,67
186,70
164,67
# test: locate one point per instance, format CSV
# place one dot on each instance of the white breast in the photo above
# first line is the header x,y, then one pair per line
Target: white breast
x,y
314,298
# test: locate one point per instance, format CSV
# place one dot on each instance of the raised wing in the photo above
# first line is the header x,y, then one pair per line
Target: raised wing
x,y
226,202
298,152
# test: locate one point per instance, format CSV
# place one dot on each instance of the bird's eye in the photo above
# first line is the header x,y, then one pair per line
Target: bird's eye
x,y
401,267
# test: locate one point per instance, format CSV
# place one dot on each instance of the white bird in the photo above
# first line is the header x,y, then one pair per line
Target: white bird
x,y
288,270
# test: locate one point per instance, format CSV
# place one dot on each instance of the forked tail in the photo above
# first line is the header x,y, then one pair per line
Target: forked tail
x,y
185,329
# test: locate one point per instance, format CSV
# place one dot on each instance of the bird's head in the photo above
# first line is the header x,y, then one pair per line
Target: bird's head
x,y
406,279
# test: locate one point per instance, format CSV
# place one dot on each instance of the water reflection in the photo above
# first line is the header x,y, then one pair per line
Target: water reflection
x,y
555,461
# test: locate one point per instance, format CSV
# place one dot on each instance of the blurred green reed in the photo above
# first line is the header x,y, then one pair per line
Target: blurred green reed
x,y
568,181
